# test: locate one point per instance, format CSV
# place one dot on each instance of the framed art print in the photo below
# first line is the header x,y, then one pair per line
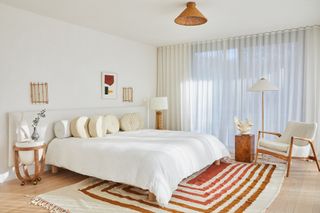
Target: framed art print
x,y
109,83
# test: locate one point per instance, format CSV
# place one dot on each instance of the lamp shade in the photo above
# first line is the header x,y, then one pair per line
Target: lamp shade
x,y
263,85
191,16
159,103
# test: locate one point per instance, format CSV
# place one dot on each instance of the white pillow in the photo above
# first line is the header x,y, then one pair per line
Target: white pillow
x,y
131,122
62,129
110,124
95,126
79,127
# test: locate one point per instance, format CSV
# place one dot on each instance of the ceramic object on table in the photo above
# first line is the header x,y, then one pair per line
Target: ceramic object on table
x,y
243,127
35,135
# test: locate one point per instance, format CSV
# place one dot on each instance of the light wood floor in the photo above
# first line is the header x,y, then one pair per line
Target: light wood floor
x,y
300,192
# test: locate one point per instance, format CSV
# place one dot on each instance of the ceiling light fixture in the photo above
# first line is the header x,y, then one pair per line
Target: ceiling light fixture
x,y
191,16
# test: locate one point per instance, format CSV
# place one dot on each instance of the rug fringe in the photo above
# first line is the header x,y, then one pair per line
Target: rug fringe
x,y
52,208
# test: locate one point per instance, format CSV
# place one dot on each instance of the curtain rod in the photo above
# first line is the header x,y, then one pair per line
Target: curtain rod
x,y
244,36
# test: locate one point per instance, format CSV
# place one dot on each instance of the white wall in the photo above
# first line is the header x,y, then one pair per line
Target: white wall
x,y
70,58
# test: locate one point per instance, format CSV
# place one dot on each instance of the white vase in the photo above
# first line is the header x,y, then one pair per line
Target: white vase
x,y
27,157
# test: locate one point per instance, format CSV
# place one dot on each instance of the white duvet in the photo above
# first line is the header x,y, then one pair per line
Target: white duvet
x,y
156,160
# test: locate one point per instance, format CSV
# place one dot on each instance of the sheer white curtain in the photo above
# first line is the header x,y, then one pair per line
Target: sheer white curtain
x,y
312,78
207,82
174,63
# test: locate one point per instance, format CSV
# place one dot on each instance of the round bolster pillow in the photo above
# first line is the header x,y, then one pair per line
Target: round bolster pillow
x,y
131,122
79,127
62,129
95,126
110,124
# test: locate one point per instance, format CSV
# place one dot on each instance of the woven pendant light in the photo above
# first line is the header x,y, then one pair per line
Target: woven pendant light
x,y
191,16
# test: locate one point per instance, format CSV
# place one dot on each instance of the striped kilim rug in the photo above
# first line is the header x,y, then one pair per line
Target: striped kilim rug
x,y
230,187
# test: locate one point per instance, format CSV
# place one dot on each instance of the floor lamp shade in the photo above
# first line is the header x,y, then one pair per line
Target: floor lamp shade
x,y
158,104
263,85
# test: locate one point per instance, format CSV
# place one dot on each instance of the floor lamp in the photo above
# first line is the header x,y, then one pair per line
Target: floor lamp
x,y
158,104
263,85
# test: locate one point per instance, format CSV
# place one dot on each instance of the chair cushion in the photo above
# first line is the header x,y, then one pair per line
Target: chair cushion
x,y
273,145
298,129
283,148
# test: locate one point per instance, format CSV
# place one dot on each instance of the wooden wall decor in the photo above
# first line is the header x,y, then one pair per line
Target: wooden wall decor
x,y
39,93
127,94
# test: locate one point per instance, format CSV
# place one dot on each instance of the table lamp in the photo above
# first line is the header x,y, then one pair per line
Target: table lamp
x,y
158,104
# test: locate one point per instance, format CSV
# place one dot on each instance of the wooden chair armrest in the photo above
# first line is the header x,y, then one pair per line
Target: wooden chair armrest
x,y
270,133
293,138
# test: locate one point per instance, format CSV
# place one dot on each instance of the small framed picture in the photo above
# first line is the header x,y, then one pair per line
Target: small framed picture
x,y
109,83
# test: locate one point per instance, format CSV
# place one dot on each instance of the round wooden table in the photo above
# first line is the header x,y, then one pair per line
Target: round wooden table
x,y
28,154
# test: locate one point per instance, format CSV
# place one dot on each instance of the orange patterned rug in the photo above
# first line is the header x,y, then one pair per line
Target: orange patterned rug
x,y
230,187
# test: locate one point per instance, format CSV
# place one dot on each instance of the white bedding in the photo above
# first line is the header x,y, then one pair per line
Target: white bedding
x,y
156,160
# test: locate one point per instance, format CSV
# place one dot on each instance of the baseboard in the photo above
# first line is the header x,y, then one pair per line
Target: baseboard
x,y
6,176
11,175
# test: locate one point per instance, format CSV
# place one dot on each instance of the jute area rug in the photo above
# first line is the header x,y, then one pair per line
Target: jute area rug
x,y
229,187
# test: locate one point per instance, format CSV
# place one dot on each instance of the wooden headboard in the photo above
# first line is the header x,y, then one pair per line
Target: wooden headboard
x,y
45,127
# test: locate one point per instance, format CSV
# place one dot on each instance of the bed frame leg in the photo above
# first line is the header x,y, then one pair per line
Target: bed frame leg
x,y
54,169
151,197
217,162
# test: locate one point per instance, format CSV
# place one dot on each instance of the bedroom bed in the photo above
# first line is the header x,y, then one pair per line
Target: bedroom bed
x,y
155,160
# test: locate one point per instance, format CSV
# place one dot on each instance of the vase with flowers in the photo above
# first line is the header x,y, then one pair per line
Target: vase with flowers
x,y
42,114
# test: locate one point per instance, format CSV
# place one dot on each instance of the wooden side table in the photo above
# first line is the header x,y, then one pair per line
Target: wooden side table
x,y
244,148
26,154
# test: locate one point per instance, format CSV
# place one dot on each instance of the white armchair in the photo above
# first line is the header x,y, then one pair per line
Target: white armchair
x,y
296,142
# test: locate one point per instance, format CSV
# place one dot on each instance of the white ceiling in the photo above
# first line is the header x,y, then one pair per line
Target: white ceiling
x,y
151,21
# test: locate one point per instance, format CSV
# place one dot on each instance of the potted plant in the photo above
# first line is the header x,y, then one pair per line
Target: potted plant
x,y
35,135
27,157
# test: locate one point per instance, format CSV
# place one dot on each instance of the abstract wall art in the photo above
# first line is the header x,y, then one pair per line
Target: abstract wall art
x,y
109,85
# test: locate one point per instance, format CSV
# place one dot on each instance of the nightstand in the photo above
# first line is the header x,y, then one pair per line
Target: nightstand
x,y
27,154
244,148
